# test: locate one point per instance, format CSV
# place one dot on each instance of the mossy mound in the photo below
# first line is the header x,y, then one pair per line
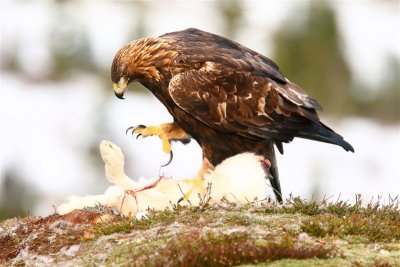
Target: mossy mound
x,y
296,233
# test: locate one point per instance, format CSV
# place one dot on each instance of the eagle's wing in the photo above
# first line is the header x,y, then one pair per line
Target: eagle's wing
x,y
249,105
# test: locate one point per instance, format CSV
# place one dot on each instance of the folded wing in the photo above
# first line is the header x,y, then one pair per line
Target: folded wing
x,y
249,105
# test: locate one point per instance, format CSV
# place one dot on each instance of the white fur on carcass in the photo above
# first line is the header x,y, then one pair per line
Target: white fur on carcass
x,y
240,178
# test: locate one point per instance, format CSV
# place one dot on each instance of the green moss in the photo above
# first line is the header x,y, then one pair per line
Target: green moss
x,y
262,233
108,228
193,248
374,228
237,219
391,247
351,256
356,239
340,208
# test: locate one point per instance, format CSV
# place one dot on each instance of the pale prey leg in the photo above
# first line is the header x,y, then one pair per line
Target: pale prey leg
x,y
114,162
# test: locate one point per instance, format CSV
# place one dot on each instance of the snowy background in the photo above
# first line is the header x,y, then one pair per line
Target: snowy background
x,y
50,126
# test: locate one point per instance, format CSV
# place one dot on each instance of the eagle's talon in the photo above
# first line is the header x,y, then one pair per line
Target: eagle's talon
x,y
167,132
144,131
140,126
171,156
135,128
127,130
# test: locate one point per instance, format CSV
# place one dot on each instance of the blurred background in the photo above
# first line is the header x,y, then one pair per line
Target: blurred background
x,y
57,103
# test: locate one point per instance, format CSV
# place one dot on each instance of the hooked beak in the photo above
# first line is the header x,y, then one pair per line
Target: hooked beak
x,y
119,88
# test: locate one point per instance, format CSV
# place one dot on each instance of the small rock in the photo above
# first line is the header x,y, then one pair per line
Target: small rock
x,y
201,220
101,257
384,252
105,218
70,251
303,237
373,246
88,234
339,243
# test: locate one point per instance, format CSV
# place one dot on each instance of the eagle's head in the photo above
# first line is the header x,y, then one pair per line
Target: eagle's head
x,y
142,60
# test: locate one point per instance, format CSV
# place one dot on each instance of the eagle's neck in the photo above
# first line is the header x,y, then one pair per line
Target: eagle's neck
x,y
154,85
160,90
149,58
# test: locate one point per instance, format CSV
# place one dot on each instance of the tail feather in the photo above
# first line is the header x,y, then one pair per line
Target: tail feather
x,y
321,132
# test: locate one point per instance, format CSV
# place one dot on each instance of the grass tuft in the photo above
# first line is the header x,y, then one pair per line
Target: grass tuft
x,y
375,228
210,249
374,222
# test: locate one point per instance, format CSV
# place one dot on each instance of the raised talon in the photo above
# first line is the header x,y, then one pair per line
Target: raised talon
x,y
134,128
143,131
127,130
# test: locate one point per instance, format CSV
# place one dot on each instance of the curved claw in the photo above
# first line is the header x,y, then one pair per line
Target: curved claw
x,y
127,130
137,136
171,156
133,128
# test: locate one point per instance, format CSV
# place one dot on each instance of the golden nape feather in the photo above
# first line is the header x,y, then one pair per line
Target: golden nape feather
x,y
144,57
230,99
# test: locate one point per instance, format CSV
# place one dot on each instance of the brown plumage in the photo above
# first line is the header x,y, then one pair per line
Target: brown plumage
x,y
227,97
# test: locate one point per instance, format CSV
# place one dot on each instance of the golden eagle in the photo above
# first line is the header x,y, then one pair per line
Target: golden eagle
x,y
230,99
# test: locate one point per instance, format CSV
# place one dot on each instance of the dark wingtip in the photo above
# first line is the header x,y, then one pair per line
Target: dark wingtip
x,y
321,132
347,147
338,140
